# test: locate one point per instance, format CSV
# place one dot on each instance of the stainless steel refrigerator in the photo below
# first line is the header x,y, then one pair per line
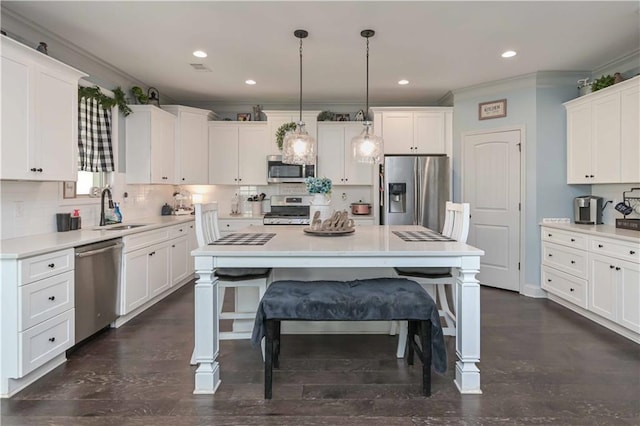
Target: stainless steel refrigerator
x,y
414,190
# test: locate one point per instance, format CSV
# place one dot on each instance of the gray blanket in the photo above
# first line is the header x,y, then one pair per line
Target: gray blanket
x,y
379,299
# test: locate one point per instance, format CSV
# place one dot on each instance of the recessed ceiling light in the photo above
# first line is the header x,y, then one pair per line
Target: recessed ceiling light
x,y
403,82
509,54
250,82
200,54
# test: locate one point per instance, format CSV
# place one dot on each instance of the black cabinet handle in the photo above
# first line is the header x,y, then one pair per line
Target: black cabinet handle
x,y
183,179
573,240
173,245
51,265
548,280
39,170
152,253
600,246
571,289
573,262
617,268
632,252
591,176
548,235
52,339
550,255
611,266
33,169
587,176
52,298
180,229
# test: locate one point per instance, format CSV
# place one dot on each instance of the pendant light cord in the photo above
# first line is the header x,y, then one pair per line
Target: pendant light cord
x,y
300,79
367,105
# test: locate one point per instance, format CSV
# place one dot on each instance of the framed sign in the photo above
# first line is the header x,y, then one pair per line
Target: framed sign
x,y
68,189
493,109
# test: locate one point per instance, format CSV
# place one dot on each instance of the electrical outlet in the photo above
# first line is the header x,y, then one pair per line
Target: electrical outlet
x,y
19,209
344,196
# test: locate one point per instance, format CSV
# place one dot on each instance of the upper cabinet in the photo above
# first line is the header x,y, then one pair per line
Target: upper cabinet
x,y
275,119
406,130
39,116
191,144
150,143
603,140
238,152
335,159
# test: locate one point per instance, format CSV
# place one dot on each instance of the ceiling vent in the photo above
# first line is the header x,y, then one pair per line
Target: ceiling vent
x,y
200,67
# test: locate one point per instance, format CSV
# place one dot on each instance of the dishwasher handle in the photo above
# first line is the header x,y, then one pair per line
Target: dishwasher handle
x,y
102,250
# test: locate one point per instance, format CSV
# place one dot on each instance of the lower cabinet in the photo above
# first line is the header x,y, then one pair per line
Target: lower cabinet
x,y
600,275
151,270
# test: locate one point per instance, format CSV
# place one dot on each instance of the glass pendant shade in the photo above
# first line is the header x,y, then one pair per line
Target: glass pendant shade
x,y
298,147
367,147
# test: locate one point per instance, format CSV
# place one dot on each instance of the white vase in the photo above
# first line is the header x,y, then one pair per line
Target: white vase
x,y
322,204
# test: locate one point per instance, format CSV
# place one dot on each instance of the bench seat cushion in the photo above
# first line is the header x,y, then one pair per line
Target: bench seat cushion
x,y
379,299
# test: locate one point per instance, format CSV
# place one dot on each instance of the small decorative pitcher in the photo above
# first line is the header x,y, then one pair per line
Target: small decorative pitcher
x,y
321,203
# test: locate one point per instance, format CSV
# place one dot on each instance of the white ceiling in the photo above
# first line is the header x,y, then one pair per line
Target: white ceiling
x,y
437,46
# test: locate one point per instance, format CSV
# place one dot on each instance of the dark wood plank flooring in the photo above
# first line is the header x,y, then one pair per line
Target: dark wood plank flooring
x,y
541,364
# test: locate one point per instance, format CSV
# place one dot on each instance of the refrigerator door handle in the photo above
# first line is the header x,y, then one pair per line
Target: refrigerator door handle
x,y
416,191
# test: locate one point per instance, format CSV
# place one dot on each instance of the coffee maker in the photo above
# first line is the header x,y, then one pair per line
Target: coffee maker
x,y
587,210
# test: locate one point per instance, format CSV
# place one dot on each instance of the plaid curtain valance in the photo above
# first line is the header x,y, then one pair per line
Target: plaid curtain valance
x,y
95,153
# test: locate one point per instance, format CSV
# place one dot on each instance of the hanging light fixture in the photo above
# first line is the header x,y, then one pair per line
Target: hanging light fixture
x,y
367,147
298,146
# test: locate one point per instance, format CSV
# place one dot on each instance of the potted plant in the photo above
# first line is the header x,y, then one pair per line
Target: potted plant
x,y
320,188
602,82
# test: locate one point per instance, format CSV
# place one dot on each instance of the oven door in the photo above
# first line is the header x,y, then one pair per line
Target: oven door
x,y
279,172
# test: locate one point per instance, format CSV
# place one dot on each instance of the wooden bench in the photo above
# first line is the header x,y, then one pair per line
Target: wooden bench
x,y
381,299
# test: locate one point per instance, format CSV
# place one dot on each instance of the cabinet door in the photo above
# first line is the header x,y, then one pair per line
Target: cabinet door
x,y
252,157
603,292
56,106
179,260
136,281
579,144
223,155
355,173
331,152
629,296
429,132
397,132
16,149
630,134
605,158
163,147
193,149
159,277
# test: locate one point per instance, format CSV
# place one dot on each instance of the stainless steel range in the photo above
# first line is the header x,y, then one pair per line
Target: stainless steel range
x,y
288,210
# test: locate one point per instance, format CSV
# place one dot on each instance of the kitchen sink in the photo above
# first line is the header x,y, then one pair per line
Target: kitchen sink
x,y
121,227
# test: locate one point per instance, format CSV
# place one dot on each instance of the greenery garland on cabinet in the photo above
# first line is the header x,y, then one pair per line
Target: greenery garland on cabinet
x,y
282,131
105,101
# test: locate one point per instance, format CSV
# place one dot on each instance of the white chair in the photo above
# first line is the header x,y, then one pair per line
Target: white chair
x,y
436,280
208,231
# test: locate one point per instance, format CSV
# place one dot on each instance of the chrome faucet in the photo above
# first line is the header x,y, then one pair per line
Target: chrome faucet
x,y
106,191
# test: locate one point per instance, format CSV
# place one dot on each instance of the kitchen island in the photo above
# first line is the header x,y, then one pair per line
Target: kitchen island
x,y
367,247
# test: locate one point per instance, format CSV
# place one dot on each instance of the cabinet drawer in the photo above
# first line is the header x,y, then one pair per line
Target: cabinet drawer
x,y
45,341
45,299
620,249
570,239
181,230
566,259
145,239
46,265
564,285
227,226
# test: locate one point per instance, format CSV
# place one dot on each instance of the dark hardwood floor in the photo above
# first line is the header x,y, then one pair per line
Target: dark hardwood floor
x,y
541,364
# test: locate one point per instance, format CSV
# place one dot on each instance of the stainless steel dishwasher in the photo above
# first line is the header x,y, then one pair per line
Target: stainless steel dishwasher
x,y
97,277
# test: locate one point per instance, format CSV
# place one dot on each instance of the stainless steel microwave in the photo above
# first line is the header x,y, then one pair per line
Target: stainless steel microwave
x,y
279,172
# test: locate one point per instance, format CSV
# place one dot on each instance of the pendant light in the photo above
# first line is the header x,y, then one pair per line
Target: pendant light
x,y
367,147
298,146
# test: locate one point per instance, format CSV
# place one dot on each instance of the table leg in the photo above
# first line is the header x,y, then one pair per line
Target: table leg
x,y
207,376
468,326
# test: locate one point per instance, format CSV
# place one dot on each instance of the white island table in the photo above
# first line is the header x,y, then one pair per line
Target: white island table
x,y
367,247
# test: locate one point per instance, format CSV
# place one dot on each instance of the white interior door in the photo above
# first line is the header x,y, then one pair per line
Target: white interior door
x,y
491,185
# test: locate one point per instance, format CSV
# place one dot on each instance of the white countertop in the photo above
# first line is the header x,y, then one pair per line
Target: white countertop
x,y
598,230
366,241
17,248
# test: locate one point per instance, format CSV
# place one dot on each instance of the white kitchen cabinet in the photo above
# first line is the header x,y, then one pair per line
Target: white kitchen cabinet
x,y
37,316
180,254
39,116
599,276
335,159
275,119
603,135
237,153
159,267
405,130
150,145
191,144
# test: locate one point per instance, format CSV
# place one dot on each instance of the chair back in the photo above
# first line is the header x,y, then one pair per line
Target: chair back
x,y
459,214
207,229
